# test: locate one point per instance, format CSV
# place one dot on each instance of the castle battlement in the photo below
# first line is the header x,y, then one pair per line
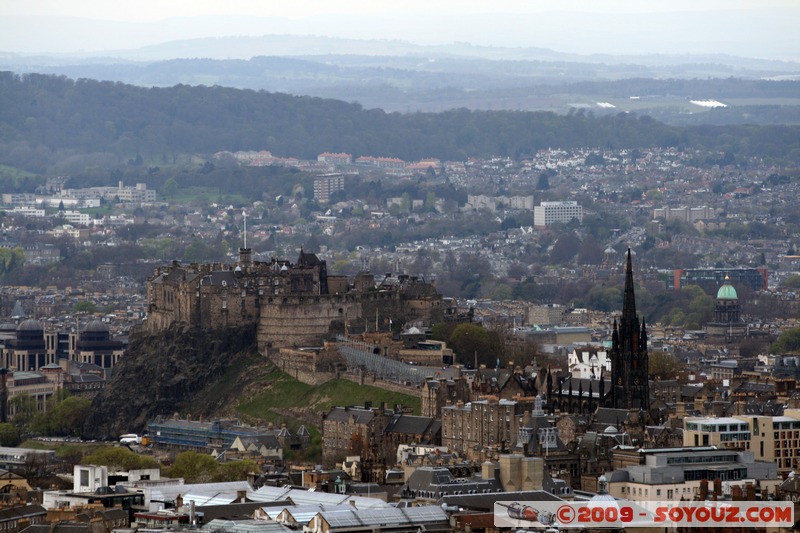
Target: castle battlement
x,y
292,304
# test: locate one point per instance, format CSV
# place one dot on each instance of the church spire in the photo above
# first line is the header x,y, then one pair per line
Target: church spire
x,y
629,322
629,361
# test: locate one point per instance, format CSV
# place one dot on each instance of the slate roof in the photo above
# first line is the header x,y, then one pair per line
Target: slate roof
x,y
690,391
410,424
485,502
86,378
606,416
341,414
58,528
749,386
22,511
270,441
223,278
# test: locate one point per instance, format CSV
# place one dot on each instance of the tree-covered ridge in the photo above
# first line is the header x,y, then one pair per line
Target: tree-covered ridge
x,y
47,118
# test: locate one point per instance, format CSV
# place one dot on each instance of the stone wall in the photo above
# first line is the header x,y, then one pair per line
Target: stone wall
x,y
304,321
313,367
370,379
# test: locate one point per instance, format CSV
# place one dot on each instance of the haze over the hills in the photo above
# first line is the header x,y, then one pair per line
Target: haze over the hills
x,y
766,29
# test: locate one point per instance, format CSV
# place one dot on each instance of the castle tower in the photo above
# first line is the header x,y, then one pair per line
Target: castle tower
x,y
630,386
245,256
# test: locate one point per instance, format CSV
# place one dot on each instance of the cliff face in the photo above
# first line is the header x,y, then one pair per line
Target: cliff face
x,y
182,369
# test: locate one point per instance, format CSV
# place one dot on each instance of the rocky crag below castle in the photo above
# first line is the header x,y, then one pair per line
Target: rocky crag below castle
x,y
182,369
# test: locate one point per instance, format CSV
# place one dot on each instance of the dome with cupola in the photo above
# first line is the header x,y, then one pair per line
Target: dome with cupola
x,y
727,292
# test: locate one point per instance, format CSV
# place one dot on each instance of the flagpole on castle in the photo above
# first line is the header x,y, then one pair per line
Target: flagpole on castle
x,y
244,214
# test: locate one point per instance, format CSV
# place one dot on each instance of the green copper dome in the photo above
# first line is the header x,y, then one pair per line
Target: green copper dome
x,y
727,292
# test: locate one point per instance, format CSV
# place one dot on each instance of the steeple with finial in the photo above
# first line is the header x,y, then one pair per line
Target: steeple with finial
x,y
630,387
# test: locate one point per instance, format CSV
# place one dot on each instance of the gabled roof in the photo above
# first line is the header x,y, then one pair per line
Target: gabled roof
x,y
270,441
409,424
606,416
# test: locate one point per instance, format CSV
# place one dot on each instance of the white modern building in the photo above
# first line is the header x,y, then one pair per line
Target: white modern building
x,y
551,212
588,362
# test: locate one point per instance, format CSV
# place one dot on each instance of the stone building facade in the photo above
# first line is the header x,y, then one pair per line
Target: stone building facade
x,y
292,304
435,394
470,428
374,435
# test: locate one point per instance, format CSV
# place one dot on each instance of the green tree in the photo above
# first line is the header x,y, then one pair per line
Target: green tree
x,y
565,248
85,306
170,188
25,409
405,203
469,340
792,281
502,292
11,260
788,342
119,457
9,435
543,182
236,470
194,467
663,365
67,417
430,201
604,298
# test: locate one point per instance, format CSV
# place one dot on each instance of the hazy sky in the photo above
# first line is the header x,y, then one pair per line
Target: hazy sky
x,y
758,28
152,10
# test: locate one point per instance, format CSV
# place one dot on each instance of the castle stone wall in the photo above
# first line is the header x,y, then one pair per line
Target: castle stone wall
x,y
304,321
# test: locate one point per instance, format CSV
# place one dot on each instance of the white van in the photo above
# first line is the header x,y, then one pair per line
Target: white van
x,y
130,438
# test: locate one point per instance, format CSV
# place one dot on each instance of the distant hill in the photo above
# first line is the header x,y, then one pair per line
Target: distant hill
x,y
47,118
401,76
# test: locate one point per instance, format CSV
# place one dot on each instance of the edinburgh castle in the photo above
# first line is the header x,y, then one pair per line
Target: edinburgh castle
x,y
291,304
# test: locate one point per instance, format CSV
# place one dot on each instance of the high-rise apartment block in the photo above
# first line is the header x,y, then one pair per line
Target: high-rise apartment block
x,y
549,213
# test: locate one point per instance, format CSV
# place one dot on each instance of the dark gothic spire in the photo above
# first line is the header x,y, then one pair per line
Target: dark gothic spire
x,y
643,337
560,398
602,385
629,323
571,399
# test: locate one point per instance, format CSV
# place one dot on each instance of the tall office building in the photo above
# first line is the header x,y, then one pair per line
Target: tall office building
x,y
548,213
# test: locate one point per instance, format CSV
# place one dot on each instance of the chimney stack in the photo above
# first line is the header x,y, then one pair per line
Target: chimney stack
x,y
703,490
